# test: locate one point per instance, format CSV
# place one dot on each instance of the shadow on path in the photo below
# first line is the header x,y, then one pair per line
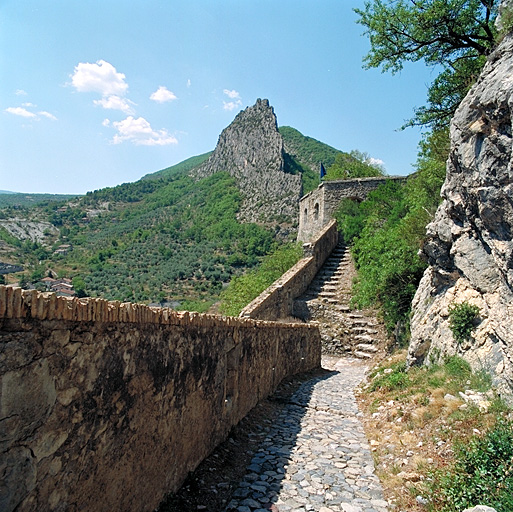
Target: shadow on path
x,y
231,467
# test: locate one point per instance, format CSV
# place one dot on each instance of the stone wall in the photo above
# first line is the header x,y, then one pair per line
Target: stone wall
x,y
317,207
276,302
107,406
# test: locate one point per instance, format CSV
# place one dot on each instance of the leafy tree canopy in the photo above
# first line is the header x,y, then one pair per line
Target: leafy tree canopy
x,y
454,34
355,164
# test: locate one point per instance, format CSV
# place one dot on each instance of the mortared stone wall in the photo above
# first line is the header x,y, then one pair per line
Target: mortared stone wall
x,y
107,406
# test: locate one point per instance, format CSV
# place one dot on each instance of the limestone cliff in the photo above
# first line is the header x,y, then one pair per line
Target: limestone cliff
x,y
251,150
469,246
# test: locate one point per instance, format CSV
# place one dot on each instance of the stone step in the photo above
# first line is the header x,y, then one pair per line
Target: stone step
x,y
367,347
357,322
363,330
330,300
364,337
362,355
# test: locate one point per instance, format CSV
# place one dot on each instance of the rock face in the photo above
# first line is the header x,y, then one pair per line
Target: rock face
x,y
469,246
251,150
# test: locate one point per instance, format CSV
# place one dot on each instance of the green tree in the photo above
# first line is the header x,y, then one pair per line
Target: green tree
x,y
353,165
454,35
79,286
243,289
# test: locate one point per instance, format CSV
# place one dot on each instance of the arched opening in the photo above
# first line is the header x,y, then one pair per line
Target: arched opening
x,y
316,211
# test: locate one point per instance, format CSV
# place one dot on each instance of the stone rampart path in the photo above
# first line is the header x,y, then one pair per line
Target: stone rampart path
x,y
316,456
345,330
304,449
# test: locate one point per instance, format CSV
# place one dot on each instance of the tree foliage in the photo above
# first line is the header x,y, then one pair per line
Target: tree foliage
x,y
353,165
387,230
243,289
481,473
454,35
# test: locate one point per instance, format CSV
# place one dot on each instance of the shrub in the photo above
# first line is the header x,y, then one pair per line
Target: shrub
x,y
461,320
396,379
482,473
243,289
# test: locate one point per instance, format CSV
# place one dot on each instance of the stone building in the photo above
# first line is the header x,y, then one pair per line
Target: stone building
x,y
317,207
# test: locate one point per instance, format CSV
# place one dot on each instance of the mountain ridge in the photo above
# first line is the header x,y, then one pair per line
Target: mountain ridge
x,y
171,238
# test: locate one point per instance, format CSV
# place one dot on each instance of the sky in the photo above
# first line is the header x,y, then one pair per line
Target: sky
x,y
98,93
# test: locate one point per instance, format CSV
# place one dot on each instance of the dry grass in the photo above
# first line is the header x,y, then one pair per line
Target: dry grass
x,y
412,420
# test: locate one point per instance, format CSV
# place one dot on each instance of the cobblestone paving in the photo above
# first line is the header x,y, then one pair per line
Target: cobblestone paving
x,y
316,456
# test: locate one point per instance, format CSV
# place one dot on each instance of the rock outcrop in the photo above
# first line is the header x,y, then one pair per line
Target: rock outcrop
x,y
469,246
251,150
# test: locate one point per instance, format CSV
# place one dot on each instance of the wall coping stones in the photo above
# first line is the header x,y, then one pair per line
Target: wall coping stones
x,y
18,303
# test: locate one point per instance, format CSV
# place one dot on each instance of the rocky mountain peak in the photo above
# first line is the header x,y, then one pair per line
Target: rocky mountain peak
x,y
251,150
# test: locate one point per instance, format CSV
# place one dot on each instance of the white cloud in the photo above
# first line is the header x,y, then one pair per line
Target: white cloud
x,y
115,103
27,105
376,162
189,82
140,133
20,111
231,105
232,94
23,112
46,114
100,77
162,94
20,92
106,122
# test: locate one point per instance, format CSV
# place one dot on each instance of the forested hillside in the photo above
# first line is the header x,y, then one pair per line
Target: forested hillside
x,y
17,199
166,238
150,241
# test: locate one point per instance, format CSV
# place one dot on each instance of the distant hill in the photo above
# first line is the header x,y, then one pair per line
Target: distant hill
x,y
20,199
180,168
307,150
176,236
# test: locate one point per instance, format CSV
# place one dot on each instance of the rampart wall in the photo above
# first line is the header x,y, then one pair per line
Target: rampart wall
x,y
317,207
276,302
107,406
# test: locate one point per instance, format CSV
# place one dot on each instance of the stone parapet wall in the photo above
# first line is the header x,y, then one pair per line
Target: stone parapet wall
x,y
107,406
277,301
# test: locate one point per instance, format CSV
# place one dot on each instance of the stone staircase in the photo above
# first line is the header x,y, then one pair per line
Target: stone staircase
x,y
327,303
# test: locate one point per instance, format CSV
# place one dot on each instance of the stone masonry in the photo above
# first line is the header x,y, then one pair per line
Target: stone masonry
x,y
345,330
108,406
317,207
277,301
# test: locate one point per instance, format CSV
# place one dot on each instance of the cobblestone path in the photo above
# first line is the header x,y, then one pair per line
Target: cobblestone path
x,y
316,456
304,449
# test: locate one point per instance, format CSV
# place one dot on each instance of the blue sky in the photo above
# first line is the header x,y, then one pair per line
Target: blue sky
x,y
98,93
